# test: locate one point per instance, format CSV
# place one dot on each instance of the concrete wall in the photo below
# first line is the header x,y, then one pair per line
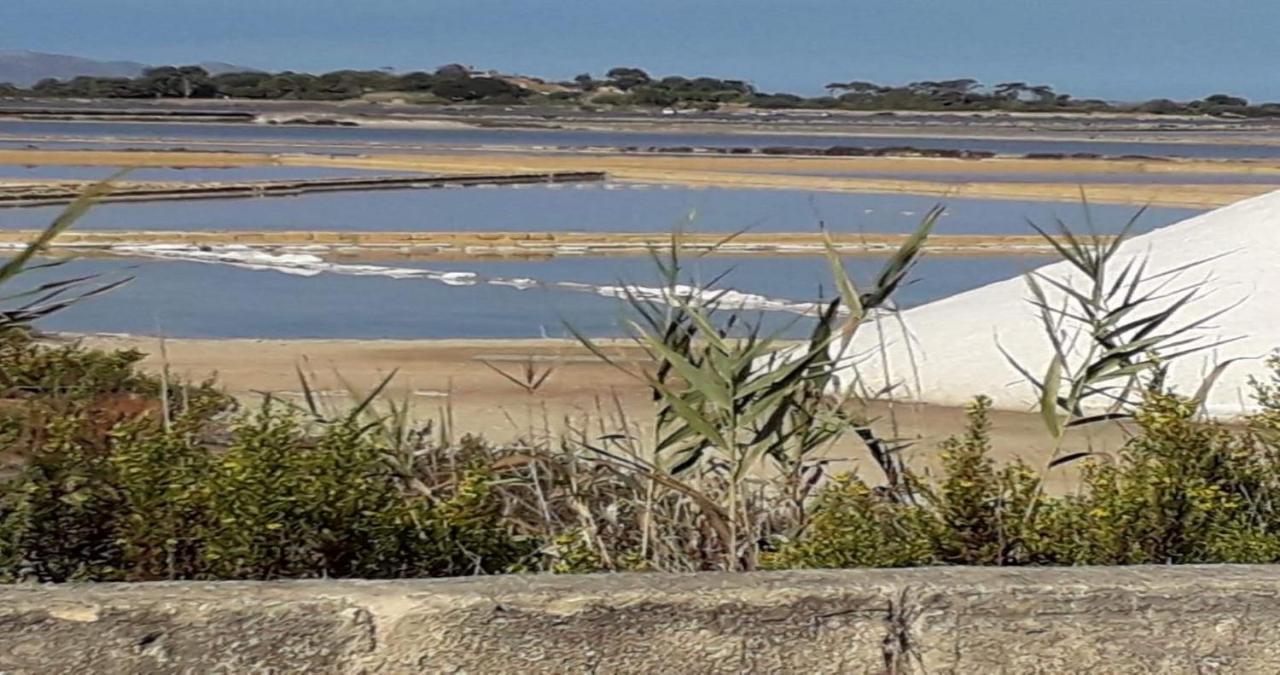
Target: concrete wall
x,y
1101,620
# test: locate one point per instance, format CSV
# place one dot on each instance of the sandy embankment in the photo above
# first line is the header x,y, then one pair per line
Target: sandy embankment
x,y
752,163
748,172
469,245
24,192
433,372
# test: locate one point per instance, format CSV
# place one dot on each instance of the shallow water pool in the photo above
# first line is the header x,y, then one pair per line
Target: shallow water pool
x,y
189,299
593,208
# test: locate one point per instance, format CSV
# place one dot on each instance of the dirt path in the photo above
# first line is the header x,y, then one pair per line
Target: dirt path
x,y
437,375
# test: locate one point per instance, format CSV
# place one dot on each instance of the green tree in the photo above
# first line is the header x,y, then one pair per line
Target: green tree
x,y
416,81
178,82
477,88
453,70
1010,91
628,78
1226,100
241,85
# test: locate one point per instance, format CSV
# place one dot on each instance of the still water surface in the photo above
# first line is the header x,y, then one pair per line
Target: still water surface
x,y
593,208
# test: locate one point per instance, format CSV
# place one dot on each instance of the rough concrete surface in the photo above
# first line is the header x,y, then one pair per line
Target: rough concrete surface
x,y
943,620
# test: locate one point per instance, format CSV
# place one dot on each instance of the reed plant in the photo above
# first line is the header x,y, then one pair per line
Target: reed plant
x,y
1114,329
742,416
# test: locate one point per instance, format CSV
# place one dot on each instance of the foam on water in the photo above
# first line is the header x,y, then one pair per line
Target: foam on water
x,y
308,265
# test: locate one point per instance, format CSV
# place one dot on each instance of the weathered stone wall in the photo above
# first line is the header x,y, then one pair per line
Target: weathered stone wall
x,y
1099,620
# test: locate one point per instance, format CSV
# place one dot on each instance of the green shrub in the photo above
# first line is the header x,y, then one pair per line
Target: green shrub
x,y
1181,491
972,516
285,503
611,99
855,527
87,391
980,508
68,369
281,501
128,493
55,519
193,496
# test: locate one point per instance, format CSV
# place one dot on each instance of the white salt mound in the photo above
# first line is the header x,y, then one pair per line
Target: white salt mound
x,y
953,342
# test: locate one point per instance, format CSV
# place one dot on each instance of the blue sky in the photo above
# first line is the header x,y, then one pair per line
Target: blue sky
x,y
1117,49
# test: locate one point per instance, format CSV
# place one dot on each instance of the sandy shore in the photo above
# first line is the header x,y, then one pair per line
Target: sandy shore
x,y
744,172
436,373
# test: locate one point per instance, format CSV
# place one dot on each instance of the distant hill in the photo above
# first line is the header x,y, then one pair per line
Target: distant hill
x,y
24,68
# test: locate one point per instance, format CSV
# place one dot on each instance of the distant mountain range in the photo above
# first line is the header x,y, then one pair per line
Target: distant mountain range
x,y
24,68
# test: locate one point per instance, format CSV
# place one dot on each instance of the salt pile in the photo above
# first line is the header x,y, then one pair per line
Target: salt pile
x,y
953,343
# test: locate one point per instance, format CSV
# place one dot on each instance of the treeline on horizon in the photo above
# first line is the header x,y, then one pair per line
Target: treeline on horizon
x,y
622,86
